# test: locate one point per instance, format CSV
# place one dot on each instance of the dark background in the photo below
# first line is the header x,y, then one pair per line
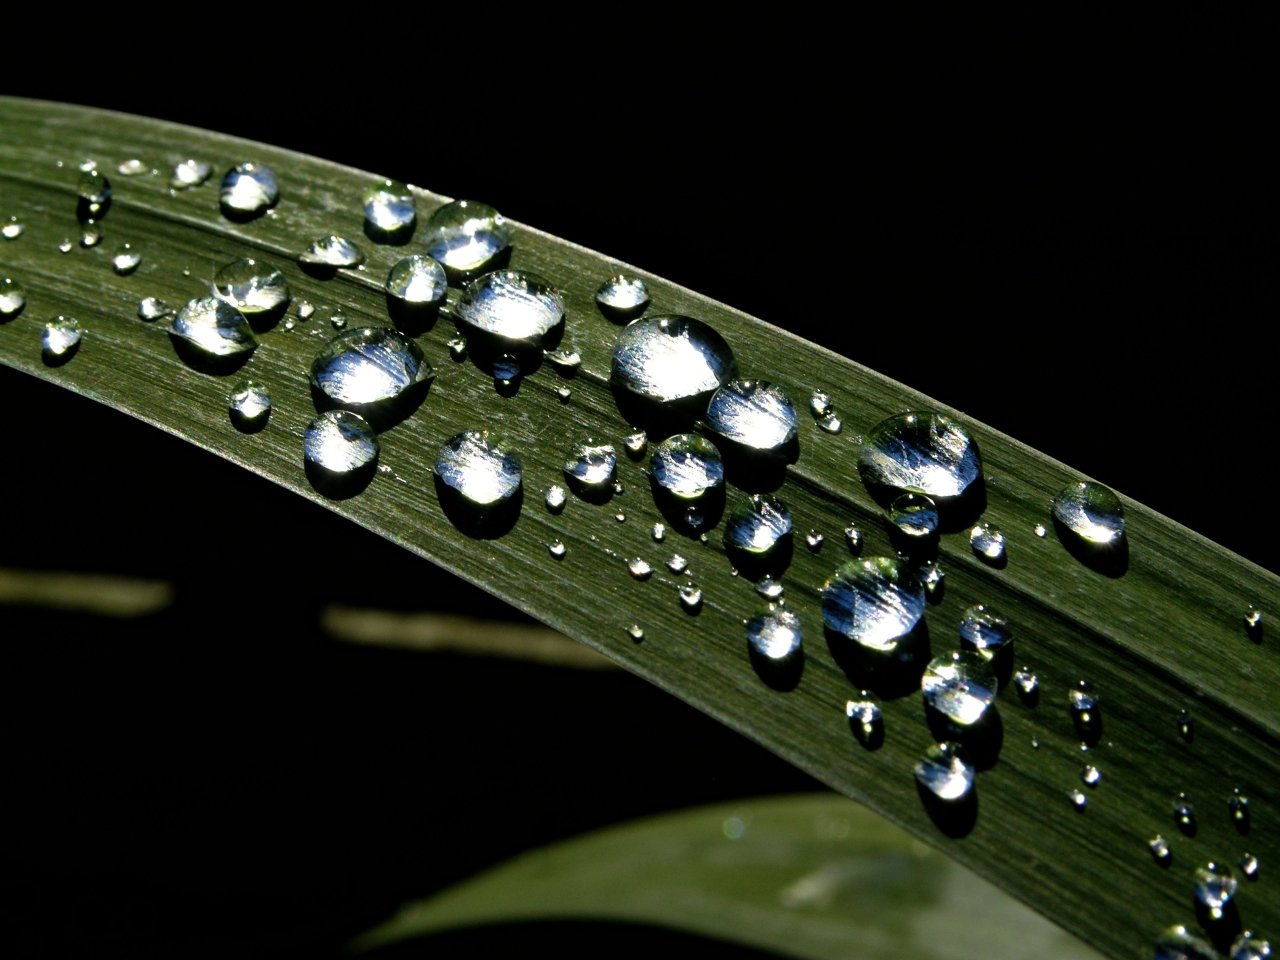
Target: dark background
x,y
1091,273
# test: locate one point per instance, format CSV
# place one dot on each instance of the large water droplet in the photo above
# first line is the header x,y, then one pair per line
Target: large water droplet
x,y
249,406
511,305
1214,887
920,453
753,413
417,282
667,359
985,632
776,636
389,210
214,328
252,287
876,602
248,190
61,338
153,308
331,252
466,237
340,443
1249,946
477,470
758,525
944,774
622,297
686,466
960,686
368,365
987,543
915,516
590,467
1177,943
189,173
13,297
1090,511
126,260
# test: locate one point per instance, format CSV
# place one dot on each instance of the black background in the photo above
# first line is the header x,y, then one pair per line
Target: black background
x,y
1089,272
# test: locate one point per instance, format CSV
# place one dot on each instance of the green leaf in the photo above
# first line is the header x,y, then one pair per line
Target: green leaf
x,y
805,876
1164,636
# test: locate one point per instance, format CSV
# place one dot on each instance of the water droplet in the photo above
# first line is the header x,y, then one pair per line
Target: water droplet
x,y
94,188
248,190
13,297
1086,712
753,413
557,549
305,310
758,525
590,466
1238,808
670,359
915,516
331,253
506,369
189,173
252,287
775,636
960,686
214,328
690,598
564,394
636,444
1040,531
13,229
61,337
153,308
1253,624
65,245
831,423
1184,814
1214,887
1177,943
132,168
944,774
686,466
338,321
934,580
249,406
466,237
369,365
659,532
1078,800
511,305
620,517
555,498
1186,725
1249,866
622,297
876,602
477,470
1159,848
90,234
389,210
769,588
676,563
564,360
814,540
920,453
340,443
853,538
1248,946
820,404
1091,775
417,282
87,164
987,543
1091,512
985,632
1027,684
635,632
458,348
639,568
866,719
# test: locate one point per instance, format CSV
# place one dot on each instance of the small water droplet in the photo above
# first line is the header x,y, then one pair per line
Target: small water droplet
x,y
331,252
915,516
1159,848
814,540
831,423
622,297
132,167
1027,684
686,466
1186,725
252,287
511,305
769,588
758,526
775,636
555,498
875,601
61,337
639,568
677,564
944,774
659,532
635,632
557,549
94,188
340,443
960,686
820,405
1238,808
620,517
1215,886
369,365
1249,866
987,543
65,246
1091,512
506,369
12,230
338,321
564,394
466,237
934,580
189,173
853,539
248,190
305,310
1253,624
1078,800
866,719
690,598
153,308
1091,775
1249,946
1176,943
1035,744
417,282
1184,814
458,348
1040,531
1086,712
590,466
90,234
13,297
617,486
477,470
389,210
670,359
289,324
249,406
920,453
985,632
754,414
636,444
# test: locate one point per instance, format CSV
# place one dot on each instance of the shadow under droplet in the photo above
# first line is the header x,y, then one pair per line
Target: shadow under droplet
x,y
477,522
659,420
756,471
51,359
781,674
772,563
955,514
980,743
675,511
395,237
241,216
1222,926
871,736
890,674
204,362
1110,560
599,493
955,818
263,321
382,415
340,486
412,318
245,425
1088,724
